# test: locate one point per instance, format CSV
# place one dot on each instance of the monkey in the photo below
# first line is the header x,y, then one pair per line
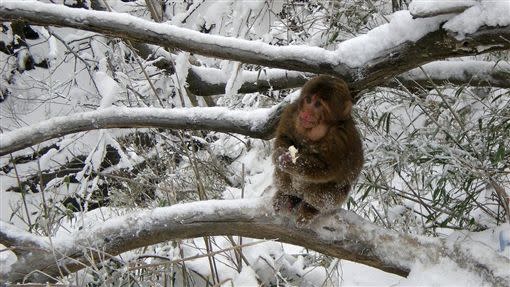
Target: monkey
x,y
317,151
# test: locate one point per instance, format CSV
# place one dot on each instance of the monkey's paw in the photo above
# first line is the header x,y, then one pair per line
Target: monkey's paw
x,y
285,203
305,213
285,160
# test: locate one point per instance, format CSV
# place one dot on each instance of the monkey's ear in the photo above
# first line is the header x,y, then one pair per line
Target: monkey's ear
x,y
347,108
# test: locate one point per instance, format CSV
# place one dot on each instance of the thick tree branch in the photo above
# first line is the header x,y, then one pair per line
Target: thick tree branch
x,y
475,73
211,81
19,240
381,66
434,46
258,123
204,81
342,234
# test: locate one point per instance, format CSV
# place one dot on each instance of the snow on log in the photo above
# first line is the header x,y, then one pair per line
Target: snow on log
x,y
341,234
258,123
427,8
210,81
476,73
364,61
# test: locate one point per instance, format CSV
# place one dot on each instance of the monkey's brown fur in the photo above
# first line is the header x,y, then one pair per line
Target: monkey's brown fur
x,y
330,155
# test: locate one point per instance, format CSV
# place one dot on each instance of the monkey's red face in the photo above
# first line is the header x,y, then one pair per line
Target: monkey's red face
x,y
311,113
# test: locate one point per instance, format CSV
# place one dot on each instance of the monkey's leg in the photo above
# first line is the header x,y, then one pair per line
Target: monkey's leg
x,y
305,213
285,198
326,198
285,203
318,200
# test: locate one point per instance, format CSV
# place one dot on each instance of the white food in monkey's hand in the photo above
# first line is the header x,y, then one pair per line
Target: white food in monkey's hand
x,y
293,153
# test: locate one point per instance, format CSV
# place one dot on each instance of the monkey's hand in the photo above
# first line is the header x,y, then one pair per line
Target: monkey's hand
x,y
285,160
306,165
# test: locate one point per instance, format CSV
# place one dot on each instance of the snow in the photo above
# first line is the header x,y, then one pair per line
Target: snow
x,y
402,28
445,273
45,160
355,274
396,212
458,69
480,244
210,75
217,76
108,89
486,13
424,8
504,239
182,67
474,14
52,44
247,277
234,82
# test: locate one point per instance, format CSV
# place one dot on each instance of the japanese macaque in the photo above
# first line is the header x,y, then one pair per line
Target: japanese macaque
x,y
317,152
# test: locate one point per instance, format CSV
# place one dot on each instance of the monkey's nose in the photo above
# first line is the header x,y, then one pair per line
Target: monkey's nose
x,y
306,116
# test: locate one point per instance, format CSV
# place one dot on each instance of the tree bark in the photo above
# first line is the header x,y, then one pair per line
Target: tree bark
x,y
341,234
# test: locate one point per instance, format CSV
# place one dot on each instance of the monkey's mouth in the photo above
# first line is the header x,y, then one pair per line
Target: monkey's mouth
x,y
307,124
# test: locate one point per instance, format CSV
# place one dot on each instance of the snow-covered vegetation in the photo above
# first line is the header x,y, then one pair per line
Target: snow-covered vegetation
x,y
136,139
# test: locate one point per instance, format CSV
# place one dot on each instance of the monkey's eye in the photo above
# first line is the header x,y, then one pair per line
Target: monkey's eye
x,y
308,99
317,104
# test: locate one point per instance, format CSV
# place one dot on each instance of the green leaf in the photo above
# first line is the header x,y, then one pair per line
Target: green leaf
x,y
500,153
67,181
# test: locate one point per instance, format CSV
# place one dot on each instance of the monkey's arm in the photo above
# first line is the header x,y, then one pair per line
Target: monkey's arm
x,y
283,141
345,153
338,157
309,166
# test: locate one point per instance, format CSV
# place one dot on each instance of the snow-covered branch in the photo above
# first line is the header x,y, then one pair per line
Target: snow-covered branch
x,y
204,81
342,234
423,9
210,81
365,61
477,73
258,123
